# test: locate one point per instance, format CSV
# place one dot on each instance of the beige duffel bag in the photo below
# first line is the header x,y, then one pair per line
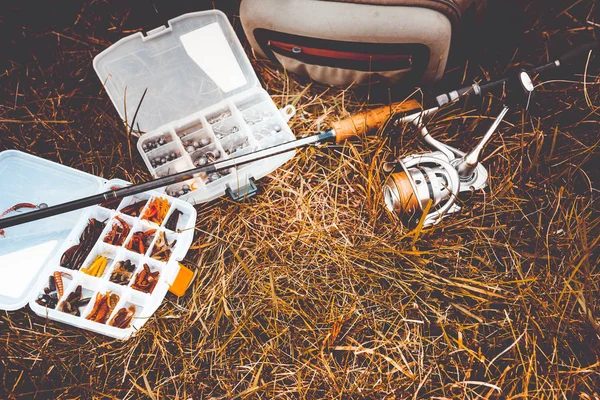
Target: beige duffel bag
x,y
343,42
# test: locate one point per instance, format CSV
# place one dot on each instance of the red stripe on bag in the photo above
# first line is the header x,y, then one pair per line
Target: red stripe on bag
x,y
340,55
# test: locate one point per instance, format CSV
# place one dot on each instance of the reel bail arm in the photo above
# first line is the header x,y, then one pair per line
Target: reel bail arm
x,y
467,166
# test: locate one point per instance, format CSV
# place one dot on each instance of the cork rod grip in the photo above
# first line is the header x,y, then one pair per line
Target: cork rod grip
x,y
362,123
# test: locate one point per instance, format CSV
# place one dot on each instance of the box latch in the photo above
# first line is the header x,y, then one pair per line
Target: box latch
x,y
244,192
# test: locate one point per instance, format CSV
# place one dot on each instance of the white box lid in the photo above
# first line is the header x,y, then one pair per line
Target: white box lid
x,y
192,63
24,249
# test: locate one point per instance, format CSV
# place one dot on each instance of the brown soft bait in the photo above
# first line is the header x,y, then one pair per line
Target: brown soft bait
x,y
162,248
122,272
140,241
54,291
74,257
145,281
19,206
134,209
74,302
103,307
118,233
122,318
173,220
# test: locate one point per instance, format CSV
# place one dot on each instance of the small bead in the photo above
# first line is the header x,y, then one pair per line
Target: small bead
x,y
205,141
186,187
277,128
190,149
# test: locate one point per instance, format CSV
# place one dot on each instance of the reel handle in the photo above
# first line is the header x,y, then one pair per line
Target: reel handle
x,y
362,123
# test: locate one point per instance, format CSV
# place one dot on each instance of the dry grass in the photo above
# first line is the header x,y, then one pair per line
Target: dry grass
x,y
312,290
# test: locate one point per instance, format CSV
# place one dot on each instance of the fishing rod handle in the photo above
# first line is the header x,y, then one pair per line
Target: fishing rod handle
x,y
360,124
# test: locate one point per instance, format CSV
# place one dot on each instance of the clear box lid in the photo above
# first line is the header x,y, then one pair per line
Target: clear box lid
x,y
192,63
24,249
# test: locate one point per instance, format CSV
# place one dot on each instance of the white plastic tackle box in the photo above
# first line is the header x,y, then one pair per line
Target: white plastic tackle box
x,y
31,253
202,102
197,100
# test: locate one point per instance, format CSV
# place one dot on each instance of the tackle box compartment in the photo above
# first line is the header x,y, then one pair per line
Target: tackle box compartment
x,y
196,99
31,253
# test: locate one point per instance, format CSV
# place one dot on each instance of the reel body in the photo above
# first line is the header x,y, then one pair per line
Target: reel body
x,y
418,180
433,181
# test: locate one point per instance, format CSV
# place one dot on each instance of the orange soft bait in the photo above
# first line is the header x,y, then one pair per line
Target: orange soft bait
x,y
157,210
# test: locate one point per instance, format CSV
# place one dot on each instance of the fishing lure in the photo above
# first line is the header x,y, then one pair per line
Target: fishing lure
x,y
19,206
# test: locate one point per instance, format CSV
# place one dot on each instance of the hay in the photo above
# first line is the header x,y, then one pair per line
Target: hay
x,y
312,290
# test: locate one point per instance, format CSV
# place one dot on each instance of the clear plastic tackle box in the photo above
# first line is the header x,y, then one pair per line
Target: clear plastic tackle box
x,y
31,254
191,90
202,102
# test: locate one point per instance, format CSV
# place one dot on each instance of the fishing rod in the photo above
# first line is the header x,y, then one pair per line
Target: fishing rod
x,y
341,131
417,183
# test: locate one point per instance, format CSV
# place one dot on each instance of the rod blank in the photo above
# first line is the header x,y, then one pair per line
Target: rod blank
x,y
165,181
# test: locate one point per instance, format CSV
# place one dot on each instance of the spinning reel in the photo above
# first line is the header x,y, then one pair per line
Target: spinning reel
x,y
430,183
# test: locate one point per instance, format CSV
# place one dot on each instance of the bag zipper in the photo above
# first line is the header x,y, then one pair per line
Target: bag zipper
x,y
340,55
362,61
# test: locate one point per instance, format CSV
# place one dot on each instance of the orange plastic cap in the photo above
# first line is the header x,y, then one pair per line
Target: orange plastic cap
x,y
182,281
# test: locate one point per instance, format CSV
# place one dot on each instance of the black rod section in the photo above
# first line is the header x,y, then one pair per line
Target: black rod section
x,y
480,90
166,181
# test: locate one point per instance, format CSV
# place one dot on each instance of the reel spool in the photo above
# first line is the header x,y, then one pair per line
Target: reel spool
x,y
421,180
